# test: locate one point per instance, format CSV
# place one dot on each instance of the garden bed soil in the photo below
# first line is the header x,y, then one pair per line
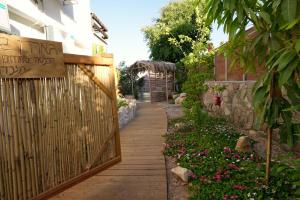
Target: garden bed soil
x,y
177,190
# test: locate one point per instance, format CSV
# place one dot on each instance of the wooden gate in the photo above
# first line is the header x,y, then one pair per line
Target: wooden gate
x,y
55,132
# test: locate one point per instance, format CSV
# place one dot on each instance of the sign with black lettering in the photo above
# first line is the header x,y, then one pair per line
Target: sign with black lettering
x,y
30,58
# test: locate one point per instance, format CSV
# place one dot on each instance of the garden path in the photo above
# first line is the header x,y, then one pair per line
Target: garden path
x,y
142,174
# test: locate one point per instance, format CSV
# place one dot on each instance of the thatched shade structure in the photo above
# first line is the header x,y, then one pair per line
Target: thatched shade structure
x,y
160,78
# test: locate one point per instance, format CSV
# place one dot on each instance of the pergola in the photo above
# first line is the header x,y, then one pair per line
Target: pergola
x,y
153,68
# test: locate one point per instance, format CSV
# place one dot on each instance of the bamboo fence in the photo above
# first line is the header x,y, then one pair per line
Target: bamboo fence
x,y
54,132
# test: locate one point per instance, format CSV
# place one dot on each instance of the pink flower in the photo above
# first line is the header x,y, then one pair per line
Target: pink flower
x,y
203,153
237,156
232,196
218,176
192,175
166,146
239,187
203,179
182,150
226,174
227,150
233,166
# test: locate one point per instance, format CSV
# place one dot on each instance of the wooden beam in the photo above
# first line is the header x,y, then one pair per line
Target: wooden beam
x,y
60,188
103,60
101,150
92,76
115,112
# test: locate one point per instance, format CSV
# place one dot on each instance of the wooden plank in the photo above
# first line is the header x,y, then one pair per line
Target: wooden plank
x,y
76,180
103,60
30,58
134,167
137,176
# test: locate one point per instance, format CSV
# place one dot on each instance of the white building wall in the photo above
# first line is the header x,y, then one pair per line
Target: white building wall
x,y
69,24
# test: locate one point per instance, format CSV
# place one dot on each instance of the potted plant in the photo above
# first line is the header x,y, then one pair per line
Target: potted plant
x,y
218,89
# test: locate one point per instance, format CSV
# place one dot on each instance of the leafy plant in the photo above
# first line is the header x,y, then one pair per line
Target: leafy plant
x,y
177,34
129,82
198,71
218,88
122,103
219,171
275,45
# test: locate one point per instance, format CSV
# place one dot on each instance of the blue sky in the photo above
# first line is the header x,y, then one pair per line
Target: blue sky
x,y
125,19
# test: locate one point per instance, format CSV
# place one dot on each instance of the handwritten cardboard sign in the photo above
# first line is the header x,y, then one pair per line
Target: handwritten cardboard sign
x,y
30,58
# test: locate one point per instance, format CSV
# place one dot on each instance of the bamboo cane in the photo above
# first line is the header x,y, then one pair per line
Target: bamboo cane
x,y
4,170
11,126
26,140
61,131
12,191
20,138
32,141
98,100
1,173
80,142
38,132
73,95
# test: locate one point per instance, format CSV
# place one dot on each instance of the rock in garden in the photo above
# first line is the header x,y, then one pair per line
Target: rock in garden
x,y
180,99
182,173
175,96
243,144
179,126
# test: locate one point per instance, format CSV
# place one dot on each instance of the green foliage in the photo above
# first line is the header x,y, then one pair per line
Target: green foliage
x,y
122,103
199,69
178,34
275,45
219,88
171,37
126,78
220,172
98,49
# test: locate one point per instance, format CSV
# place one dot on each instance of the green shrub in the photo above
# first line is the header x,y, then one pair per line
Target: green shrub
x,y
122,103
200,69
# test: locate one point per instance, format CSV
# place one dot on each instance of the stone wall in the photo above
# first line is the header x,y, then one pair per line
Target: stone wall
x,y
127,113
237,106
236,102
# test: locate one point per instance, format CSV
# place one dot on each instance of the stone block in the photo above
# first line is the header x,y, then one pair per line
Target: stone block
x,y
243,144
182,173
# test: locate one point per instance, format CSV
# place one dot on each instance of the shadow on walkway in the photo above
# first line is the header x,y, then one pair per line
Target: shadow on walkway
x,y
142,174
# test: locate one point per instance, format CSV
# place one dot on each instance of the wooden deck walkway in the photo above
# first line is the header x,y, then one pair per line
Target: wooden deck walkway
x,y
141,175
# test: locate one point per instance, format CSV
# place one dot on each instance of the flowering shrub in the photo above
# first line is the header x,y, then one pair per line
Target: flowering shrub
x,y
220,172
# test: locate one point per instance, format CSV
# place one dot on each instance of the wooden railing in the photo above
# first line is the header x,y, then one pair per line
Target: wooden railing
x,y
55,132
